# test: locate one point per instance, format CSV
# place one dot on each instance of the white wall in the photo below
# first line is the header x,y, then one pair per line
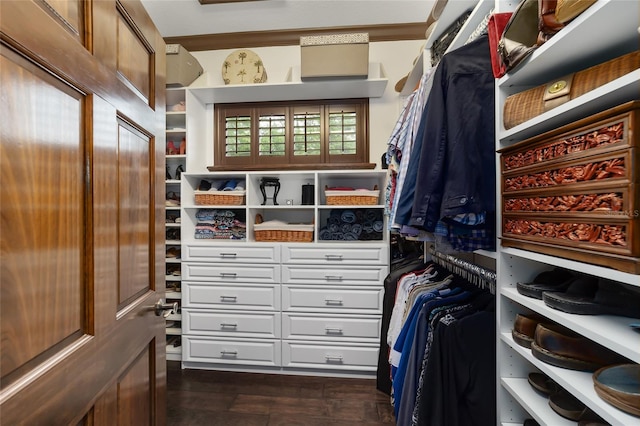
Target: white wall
x,y
396,57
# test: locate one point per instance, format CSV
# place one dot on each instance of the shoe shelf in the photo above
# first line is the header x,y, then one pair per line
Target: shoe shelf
x,y
176,164
578,383
611,331
173,295
534,402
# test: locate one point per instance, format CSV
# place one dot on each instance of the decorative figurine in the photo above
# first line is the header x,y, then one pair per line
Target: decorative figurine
x,y
269,182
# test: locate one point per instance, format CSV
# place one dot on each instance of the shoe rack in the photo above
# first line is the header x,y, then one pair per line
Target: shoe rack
x,y
577,46
176,156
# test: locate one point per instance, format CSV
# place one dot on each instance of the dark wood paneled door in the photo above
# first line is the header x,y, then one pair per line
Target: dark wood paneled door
x,y
82,111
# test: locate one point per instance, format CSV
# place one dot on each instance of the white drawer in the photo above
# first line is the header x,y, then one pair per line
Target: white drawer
x,y
232,253
337,254
353,356
231,351
348,275
356,300
233,324
223,296
334,327
231,273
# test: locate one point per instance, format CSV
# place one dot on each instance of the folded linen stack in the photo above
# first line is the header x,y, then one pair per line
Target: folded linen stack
x,y
219,224
353,225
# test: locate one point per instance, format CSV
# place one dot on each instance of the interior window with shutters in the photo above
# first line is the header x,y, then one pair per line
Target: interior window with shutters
x,y
287,135
342,133
238,136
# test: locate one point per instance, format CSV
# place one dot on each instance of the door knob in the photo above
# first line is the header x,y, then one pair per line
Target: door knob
x,y
165,309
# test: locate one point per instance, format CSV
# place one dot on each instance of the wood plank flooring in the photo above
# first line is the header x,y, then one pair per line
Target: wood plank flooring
x,y
211,398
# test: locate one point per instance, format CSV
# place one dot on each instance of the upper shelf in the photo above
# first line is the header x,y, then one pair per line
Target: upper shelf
x,y
581,44
295,89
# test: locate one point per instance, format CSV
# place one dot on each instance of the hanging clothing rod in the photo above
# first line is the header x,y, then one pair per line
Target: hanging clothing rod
x,y
475,274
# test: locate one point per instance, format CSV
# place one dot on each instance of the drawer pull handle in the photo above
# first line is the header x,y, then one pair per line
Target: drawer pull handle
x,y
333,330
228,274
333,277
228,325
333,256
229,298
333,302
232,255
333,358
228,354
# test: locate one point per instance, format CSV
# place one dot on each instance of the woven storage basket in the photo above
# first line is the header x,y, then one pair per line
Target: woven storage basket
x,y
352,198
294,235
528,104
219,198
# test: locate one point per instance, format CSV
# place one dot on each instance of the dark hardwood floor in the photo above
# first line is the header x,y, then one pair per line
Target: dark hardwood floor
x,y
201,397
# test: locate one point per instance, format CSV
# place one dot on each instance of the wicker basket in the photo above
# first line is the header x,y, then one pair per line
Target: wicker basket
x,y
219,198
293,235
352,198
528,104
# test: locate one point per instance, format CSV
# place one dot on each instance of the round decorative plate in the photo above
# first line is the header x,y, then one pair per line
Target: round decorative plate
x,y
243,67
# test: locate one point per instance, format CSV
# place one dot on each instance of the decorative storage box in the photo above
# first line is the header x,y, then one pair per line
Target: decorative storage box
x,y
575,191
334,56
219,198
182,67
357,197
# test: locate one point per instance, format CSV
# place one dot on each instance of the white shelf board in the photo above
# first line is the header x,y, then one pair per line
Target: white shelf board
x,y
486,253
616,92
582,43
586,268
535,403
295,89
173,295
610,331
578,383
173,331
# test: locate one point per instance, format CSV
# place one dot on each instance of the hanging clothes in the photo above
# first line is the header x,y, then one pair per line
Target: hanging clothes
x,y
451,171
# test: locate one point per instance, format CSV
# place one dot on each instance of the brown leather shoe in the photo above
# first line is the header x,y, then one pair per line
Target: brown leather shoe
x,y
524,328
564,348
619,385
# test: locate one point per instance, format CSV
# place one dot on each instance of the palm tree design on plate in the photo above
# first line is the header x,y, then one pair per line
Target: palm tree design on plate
x,y
242,73
242,56
258,64
226,66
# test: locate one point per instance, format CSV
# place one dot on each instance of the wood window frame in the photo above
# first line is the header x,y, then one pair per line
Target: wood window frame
x,y
324,161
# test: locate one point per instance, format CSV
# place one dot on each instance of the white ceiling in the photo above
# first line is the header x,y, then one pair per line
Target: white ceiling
x,y
175,18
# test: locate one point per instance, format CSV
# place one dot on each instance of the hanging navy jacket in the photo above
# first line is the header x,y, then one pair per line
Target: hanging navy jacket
x,y
456,171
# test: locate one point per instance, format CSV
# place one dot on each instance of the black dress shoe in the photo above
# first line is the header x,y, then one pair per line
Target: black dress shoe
x,y
557,279
603,297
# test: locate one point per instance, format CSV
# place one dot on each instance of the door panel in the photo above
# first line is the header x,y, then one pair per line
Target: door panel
x,y
82,215
68,13
134,195
134,390
43,248
134,58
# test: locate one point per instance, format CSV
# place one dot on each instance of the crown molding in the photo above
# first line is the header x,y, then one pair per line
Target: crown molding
x,y
387,32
